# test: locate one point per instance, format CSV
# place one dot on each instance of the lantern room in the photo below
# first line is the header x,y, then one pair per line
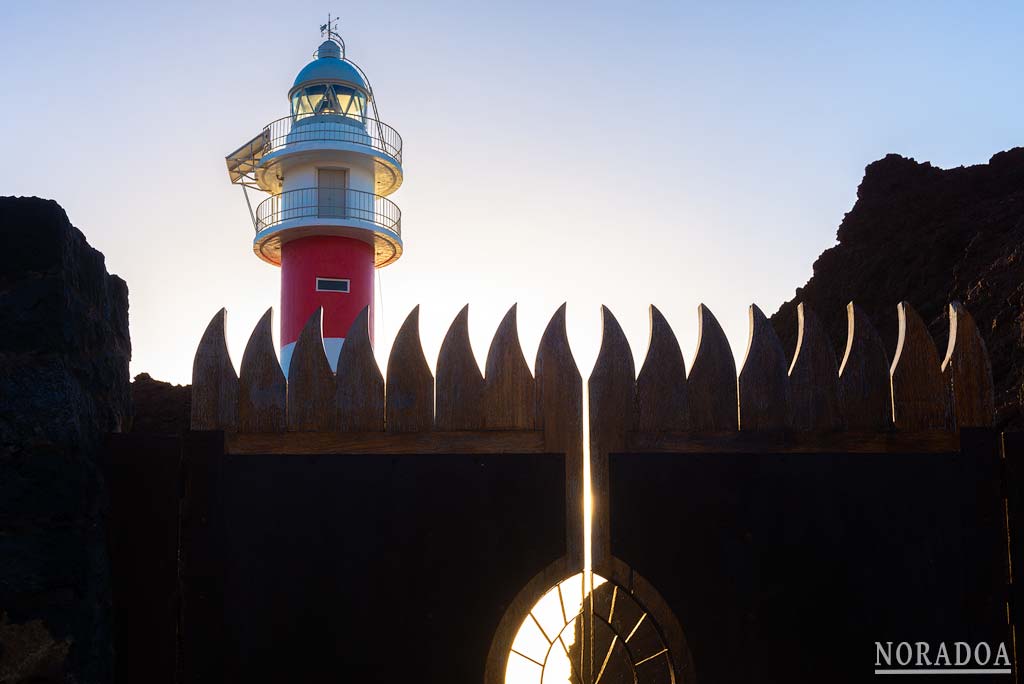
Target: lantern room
x,y
329,86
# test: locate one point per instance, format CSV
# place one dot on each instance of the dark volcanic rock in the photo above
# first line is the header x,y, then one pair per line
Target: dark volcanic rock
x,y
63,385
929,236
160,407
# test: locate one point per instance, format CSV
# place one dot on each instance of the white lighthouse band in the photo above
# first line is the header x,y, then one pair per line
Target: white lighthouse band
x,y
332,347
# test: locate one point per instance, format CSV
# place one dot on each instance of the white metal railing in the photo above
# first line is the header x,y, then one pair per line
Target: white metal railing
x,y
329,203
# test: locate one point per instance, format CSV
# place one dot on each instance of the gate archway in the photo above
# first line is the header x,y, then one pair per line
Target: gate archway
x,y
602,632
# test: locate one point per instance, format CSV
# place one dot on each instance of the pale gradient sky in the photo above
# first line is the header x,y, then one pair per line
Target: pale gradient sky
x,y
597,153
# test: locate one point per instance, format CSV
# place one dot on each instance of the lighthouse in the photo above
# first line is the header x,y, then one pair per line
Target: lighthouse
x,y
328,167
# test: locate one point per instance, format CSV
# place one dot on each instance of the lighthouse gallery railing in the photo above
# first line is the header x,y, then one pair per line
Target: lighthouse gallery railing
x,y
329,203
310,128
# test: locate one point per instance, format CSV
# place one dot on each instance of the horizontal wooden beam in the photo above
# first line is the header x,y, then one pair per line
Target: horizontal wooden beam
x,y
476,442
788,441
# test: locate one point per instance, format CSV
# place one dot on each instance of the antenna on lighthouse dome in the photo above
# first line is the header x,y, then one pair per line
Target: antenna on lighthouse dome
x,y
330,32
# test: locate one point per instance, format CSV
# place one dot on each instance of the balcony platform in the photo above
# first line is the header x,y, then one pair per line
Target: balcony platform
x,y
255,163
306,212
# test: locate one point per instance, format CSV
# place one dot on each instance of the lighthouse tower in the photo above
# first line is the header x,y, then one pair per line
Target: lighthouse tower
x,y
329,167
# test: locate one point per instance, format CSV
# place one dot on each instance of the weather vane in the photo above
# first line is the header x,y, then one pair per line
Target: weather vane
x,y
330,29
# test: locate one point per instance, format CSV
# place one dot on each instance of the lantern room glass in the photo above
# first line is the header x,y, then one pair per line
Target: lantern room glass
x,y
329,99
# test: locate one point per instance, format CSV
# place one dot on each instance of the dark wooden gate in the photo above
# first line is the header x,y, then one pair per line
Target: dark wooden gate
x,y
792,515
771,525
334,526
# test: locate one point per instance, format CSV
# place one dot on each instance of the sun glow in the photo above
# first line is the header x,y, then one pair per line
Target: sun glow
x,y
544,648
588,494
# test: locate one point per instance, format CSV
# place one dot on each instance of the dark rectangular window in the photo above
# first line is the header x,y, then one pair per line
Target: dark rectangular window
x,y
331,285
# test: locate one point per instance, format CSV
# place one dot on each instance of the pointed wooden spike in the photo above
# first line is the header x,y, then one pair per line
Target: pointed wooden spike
x,y
711,387
763,383
967,372
612,382
459,383
559,383
262,388
612,392
919,396
509,394
560,414
814,376
661,386
214,381
311,383
359,398
410,386
864,398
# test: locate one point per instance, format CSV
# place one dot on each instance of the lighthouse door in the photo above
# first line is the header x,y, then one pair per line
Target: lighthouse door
x,y
331,188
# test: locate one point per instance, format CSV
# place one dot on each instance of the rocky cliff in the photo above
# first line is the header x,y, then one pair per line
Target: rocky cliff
x,y
928,236
64,352
159,407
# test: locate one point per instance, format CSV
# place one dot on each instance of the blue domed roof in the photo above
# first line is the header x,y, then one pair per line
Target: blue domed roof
x,y
329,66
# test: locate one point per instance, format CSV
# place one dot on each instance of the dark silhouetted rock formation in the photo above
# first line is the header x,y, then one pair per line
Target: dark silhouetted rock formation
x,y
64,352
160,407
929,236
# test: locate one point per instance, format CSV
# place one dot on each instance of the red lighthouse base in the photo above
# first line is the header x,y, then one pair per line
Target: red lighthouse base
x,y
335,273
